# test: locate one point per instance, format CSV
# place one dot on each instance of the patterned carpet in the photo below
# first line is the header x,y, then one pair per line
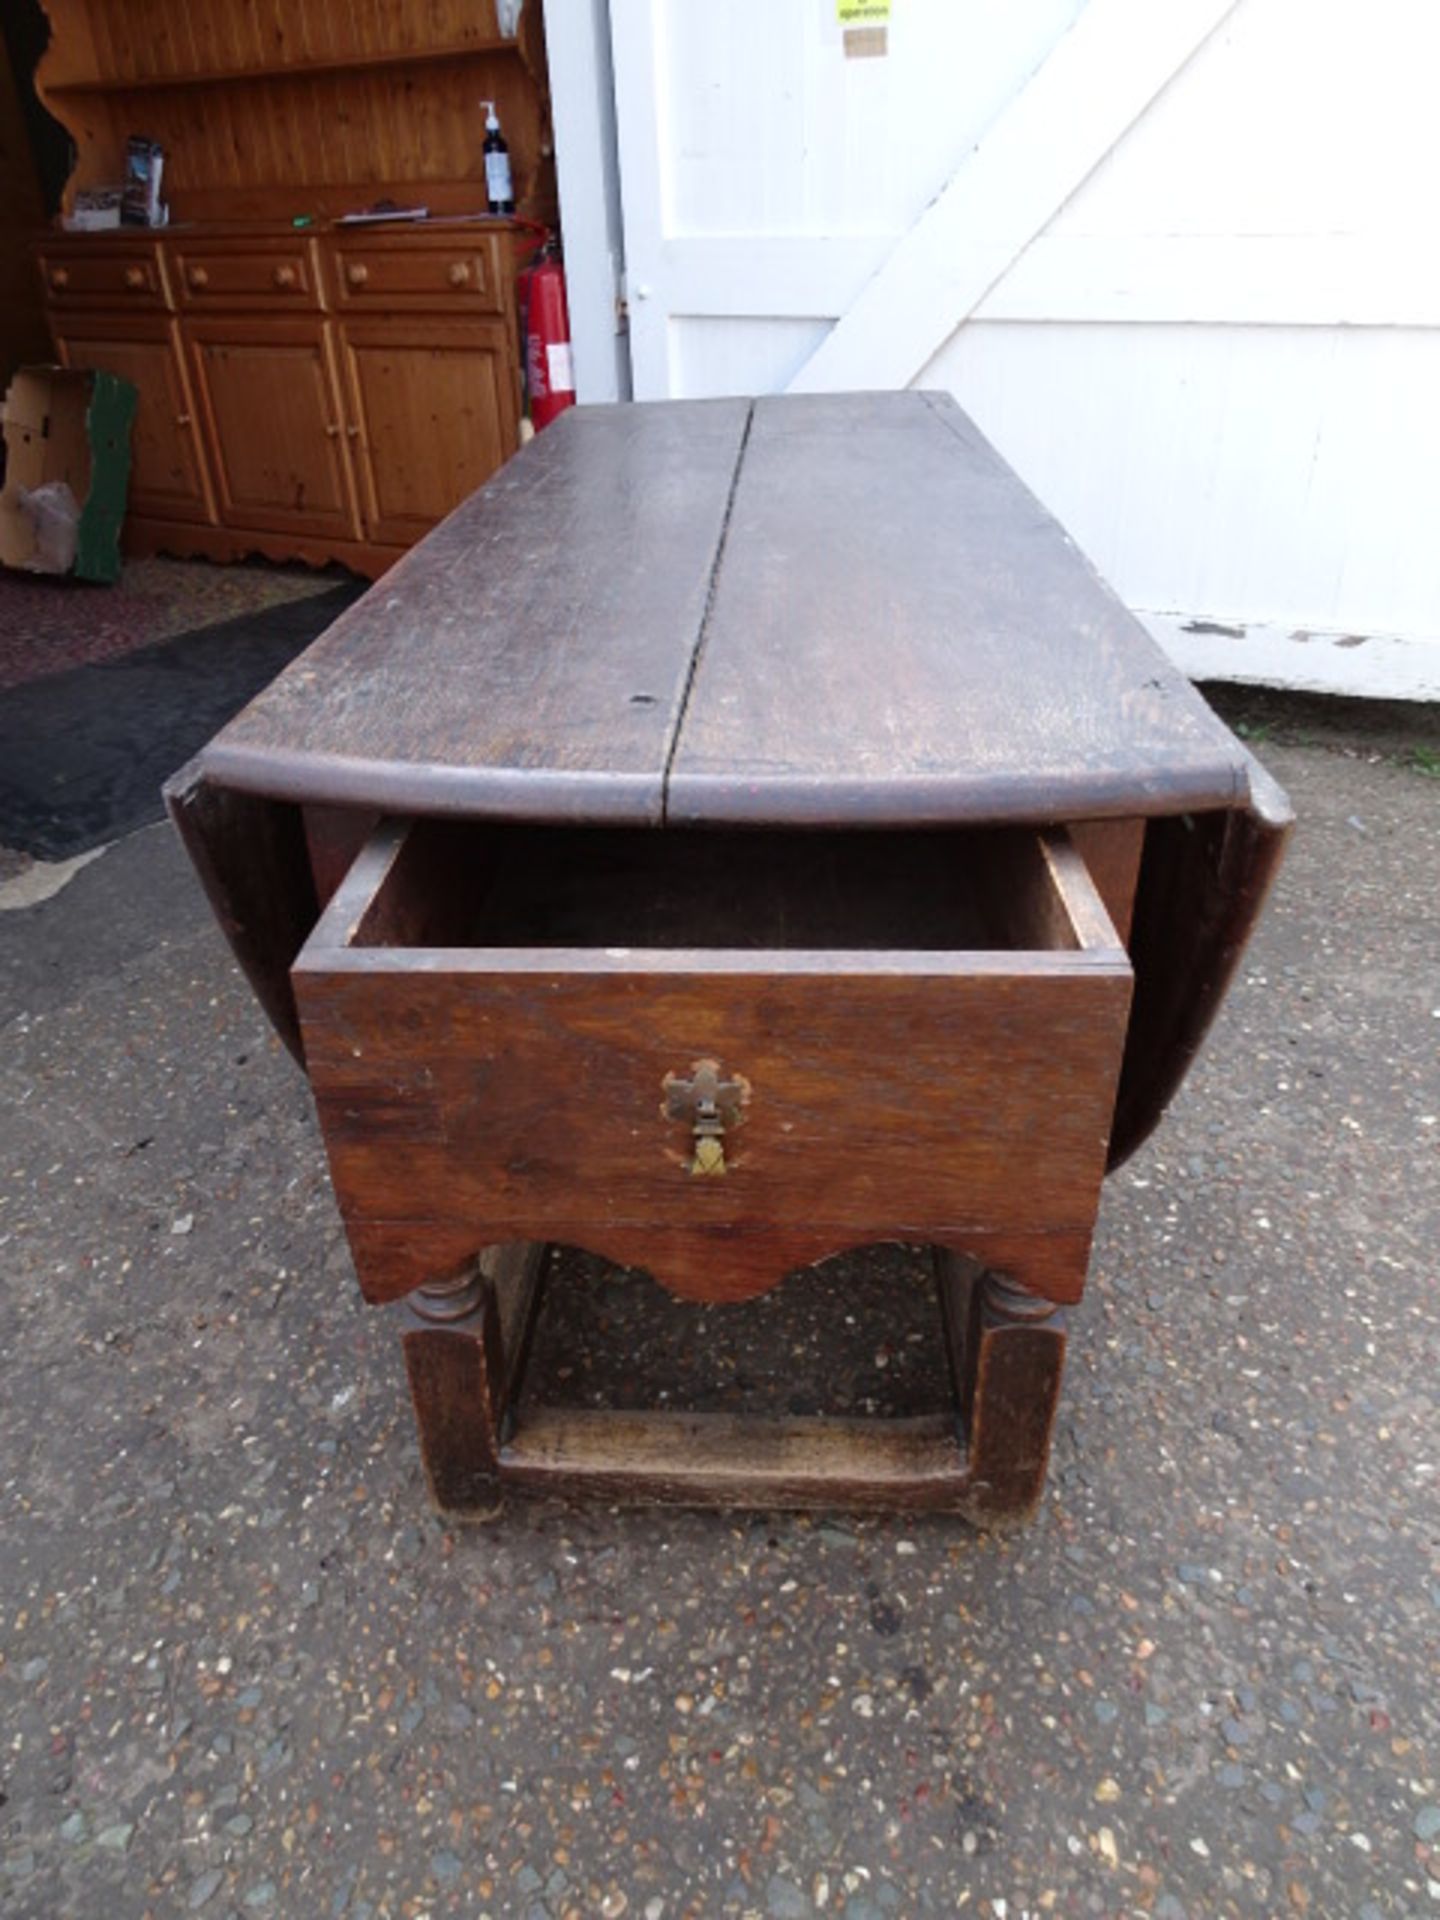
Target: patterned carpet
x,y
84,753
49,626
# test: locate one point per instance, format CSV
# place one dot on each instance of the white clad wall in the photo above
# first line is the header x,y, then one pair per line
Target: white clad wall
x,y
765,176
1176,261
773,130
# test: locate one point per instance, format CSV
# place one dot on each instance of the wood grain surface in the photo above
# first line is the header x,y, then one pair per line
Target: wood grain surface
x,y
461,884
466,1343
495,1090
520,1009
882,626
481,1432
530,658
330,394
715,1263
721,1460
252,859
1007,1357
1203,882
265,109
900,631
1111,851
896,1100
821,611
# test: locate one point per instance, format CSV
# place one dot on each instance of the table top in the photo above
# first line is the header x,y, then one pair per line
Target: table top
x,y
821,610
827,609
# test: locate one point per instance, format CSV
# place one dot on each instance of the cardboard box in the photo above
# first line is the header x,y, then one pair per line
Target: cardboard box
x,y
70,428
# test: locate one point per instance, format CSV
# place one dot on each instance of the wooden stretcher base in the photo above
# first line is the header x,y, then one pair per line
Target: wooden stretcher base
x,y
467,1341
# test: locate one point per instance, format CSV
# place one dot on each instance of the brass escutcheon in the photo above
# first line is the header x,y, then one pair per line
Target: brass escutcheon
x,y
708,1102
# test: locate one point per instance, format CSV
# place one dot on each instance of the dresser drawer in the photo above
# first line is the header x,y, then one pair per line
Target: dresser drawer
x,y
409,269
588,1035
246,276
121,276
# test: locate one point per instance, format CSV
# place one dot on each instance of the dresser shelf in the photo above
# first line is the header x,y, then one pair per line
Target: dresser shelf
x,y
287,70
307,390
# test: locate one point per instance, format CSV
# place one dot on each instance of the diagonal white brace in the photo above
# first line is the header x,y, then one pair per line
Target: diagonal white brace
x,y
1095,84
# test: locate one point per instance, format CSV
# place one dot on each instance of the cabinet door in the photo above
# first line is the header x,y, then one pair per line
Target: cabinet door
x,y
434,410
272,414
167,470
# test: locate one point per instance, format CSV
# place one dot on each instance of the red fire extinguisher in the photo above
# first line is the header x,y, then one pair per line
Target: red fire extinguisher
x,y
545,324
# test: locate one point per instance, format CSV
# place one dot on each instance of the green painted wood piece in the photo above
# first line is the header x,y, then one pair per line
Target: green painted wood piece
x,y
108,420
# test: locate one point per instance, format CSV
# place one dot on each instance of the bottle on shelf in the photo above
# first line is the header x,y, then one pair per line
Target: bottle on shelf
x,y
499,187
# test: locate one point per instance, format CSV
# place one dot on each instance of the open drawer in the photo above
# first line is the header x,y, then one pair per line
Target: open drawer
x,y
689,1039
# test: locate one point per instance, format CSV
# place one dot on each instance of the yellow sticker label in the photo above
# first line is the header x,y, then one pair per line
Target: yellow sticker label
x,y
862,13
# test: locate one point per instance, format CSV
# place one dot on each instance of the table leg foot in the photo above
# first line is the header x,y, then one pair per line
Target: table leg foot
x,y
1007,1354
465,1340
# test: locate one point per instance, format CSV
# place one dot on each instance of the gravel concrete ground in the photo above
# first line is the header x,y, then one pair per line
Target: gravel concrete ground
x,y
244,1671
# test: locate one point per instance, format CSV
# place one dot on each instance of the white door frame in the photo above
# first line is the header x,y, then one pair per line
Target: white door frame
x,y
582,100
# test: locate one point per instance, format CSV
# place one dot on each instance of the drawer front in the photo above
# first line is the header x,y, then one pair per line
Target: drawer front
x,y
584,1093
875,1103
121,277
246,277
461,272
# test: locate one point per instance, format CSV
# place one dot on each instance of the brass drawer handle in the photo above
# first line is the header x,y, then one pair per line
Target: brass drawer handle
x,y
357,273
59,276
135,276
709,1103
459,274
284,276
198,277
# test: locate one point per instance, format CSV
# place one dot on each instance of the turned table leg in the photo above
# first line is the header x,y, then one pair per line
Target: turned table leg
x,y
1007,1355
465,1342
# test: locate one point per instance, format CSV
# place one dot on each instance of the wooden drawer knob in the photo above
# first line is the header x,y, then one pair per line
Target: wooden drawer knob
x,y
284,276
198,277
459,274
134,276
357,274
60,276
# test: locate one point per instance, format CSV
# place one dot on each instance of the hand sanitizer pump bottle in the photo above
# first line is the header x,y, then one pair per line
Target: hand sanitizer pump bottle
x,y
499,188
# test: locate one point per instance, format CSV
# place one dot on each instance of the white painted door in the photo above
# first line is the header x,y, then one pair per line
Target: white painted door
x,y
1171,254
766,177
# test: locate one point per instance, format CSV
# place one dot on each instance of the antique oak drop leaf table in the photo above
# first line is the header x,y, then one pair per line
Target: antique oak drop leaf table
x,y
742,832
